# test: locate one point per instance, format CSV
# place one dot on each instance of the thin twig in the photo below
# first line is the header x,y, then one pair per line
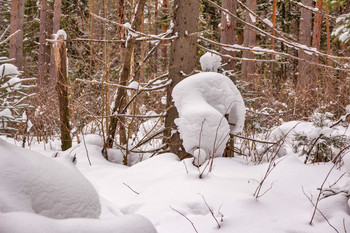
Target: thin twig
x,y
185,217
131,188
211,211
316,208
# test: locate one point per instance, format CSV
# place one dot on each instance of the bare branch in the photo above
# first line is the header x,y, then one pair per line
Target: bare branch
x,y
185,217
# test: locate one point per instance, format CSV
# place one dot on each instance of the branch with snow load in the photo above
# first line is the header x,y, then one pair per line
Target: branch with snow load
x,y
202,101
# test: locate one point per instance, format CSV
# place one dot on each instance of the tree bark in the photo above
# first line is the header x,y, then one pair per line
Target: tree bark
x,y
62,92
42,45
164,27
182,61
119,102
305,39
16,42
228,31
316,39
248,67
55,27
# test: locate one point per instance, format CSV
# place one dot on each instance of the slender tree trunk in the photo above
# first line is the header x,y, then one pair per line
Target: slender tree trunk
x,y
42,45
14,27
16,42
305,39
164,27
19,52
274,11
228,31
119,102
55,27
316,39
248,67
62,92
182,60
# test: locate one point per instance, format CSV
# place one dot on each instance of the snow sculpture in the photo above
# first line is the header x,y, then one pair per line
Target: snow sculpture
x,y
202,101
210,62
31,182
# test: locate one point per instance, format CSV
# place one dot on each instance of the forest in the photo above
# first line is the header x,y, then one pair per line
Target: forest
x,y
174,116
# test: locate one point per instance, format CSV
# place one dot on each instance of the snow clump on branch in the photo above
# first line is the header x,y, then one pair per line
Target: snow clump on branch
x,y
210,62
203,102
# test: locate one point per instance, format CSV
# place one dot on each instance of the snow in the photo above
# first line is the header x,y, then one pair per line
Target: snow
x,y
59,33
202,101
8,69
164,183
210,62
37,184
9,223
134,85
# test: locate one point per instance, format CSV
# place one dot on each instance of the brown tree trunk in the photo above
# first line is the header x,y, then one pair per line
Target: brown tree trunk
x,y
274,11
305,39
164,27
60,51
13,25
55,27
248,67
42,45
182,60
228,31
16,42
316,39
119,102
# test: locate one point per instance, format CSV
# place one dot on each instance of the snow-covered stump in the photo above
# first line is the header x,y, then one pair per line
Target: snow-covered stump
x,y
204,101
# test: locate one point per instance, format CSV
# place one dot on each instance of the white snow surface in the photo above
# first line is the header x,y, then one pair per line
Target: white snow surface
x,y
30,182
202,101
164,182
20,222
210,62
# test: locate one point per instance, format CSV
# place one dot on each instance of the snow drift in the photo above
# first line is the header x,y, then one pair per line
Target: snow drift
x,y
31,182
9,223
203,100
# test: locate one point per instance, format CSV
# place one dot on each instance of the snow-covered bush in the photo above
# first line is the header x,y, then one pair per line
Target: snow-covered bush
x,y
203,101
323,143
12,98
31,182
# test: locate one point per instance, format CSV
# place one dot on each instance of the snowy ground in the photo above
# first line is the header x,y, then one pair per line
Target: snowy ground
x,y
170,194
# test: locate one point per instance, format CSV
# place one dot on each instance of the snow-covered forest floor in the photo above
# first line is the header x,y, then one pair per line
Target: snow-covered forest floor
x,y
170,194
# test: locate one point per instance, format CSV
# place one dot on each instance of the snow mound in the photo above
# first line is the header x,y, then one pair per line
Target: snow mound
x,y
31,182
203,100
8,69
9,223
210,62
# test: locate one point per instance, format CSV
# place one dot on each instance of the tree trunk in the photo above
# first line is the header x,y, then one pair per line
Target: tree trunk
x,y
42,45
182,60
248,67
13,25
16,42
55,27
119,102
228,31
316,39
305,39
164,27
60,51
